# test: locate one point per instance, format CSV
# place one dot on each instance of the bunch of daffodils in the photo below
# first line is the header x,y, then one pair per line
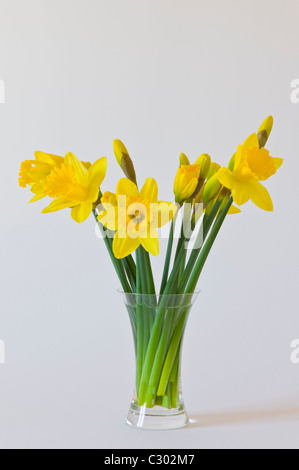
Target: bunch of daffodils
x,y
130,219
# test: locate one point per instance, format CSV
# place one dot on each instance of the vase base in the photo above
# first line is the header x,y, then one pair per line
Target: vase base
x,y
157,418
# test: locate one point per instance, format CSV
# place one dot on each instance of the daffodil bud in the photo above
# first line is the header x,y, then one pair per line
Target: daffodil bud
x,y
205,162
267,125
214,167
211,189
231,164
184,160
124,160
186,182
265,131
262,137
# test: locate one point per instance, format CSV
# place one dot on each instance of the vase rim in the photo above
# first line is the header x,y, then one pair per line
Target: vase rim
x,y
176,300
122,292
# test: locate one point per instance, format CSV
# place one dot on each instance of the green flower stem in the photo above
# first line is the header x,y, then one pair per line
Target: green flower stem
x,y
166,400
139,347
175,392
149,273
178,334
128,270
143,311
174,378
182,268
117,263
172,351
132,265
207,248
181,241
139,315
128,265
175,369
159,401
168,256
207,223
170,320
151,310
159,359
156,331
184,237
146,287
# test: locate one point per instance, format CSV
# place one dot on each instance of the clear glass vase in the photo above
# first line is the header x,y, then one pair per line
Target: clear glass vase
x,y
158,325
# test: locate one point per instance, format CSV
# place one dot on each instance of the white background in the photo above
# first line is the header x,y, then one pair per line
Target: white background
x,y
164,76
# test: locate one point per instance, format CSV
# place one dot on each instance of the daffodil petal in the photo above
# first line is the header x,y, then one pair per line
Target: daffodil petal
x,y
81,212
239,159
277,162
87,165
150,190
226,178
97,172
37,197
96,175
125,187
250,142
92,193
38,188
150,242
260,196
59,204
48,158
80,169
241,192
186,182
123,247
234,210
189,189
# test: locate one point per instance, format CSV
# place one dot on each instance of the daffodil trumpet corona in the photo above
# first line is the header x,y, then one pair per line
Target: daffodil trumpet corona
x,y
132,220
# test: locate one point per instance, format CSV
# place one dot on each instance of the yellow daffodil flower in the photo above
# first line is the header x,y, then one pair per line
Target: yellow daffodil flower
x,y
135,216
34,172
189,179
252,165
186,182
74,186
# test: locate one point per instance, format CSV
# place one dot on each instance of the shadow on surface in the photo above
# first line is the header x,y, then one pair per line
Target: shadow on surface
x,y
245,417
